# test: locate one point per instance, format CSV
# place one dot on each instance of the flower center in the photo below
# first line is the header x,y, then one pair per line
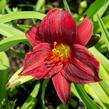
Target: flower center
x,y
61,52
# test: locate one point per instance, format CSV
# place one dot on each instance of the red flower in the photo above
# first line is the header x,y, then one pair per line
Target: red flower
x,y
59,52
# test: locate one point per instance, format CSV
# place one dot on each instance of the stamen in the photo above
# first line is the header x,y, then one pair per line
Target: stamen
x,y
61,52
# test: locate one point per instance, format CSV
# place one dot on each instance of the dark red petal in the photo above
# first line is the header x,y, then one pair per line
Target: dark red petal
x,y
83,68
82,54
46,69
36,56
39,64
57,25
32,35
55,69
84,31
62,87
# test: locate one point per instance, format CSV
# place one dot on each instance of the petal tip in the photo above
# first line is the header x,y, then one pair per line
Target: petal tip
x,y
84,31
57,25
32,35
62,87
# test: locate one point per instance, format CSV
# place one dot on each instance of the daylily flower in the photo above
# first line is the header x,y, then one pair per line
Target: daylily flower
x,y
59,52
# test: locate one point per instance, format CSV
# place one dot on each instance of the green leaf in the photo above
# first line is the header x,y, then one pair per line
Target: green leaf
x,y
31,100
101,11
2,4
101,45
92,93
82,7
8,31
66,6
99,91
39,5
10,42
73,103
44,86
105,77
62,106
21,15
106,20
104,31
4,74
89,103
10,104
94,7
17,80
102,59
4,65
4,62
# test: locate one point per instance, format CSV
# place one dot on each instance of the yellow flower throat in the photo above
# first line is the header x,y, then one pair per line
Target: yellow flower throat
x,y
61,52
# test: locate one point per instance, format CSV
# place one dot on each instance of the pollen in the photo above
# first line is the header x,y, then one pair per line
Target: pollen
x,y
61,52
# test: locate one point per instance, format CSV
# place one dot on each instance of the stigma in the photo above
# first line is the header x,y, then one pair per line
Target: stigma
x,y
61,52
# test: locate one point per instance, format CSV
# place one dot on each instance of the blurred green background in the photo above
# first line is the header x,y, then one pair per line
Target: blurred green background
x,y
16,17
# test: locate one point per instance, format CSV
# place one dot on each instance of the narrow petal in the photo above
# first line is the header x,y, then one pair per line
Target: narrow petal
x,y
38,54
84,31
83,68
33,35
58,25
82,54
44,69
55,69
62,87
39,64
35,57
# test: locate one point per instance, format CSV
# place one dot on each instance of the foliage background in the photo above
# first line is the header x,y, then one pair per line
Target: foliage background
x,y
16,17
